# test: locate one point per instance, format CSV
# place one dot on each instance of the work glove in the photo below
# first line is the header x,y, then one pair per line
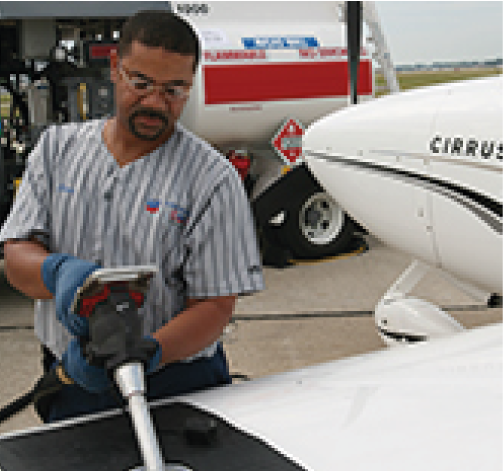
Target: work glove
x,y
63,275
91,378
94,378
155,359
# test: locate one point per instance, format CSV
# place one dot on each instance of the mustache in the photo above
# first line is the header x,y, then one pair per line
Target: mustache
x,y
148,113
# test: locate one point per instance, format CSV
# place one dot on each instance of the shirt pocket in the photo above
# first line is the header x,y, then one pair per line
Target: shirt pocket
x,y
150,234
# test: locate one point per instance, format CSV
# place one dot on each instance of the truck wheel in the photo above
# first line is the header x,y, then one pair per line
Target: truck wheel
x,y
316,226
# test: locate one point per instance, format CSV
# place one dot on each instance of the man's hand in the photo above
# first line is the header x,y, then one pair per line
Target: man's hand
x,y
92,378
62,276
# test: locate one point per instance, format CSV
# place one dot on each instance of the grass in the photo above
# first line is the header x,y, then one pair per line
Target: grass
x,y
408,80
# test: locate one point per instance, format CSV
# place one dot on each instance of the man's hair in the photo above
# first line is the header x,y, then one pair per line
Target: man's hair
x,y
160,28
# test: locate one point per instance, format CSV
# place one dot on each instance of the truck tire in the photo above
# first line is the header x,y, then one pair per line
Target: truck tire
x,y
315,226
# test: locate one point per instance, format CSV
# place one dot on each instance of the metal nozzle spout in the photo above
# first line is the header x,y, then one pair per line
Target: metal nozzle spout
x,y
130,379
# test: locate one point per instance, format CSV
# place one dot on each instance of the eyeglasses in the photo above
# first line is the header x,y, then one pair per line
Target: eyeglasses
x,y
143,85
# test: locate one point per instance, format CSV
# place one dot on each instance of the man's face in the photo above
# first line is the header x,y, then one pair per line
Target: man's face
x,y
152,87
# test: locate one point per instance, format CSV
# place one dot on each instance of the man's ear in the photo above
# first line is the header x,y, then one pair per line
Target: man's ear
x,y
114,62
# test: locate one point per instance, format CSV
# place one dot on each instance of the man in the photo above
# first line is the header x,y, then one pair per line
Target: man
x,y
136,189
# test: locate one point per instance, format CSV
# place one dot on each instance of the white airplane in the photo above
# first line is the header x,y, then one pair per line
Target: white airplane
x,y
422,171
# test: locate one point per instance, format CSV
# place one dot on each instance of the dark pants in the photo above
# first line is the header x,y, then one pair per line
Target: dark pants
x,y
174,379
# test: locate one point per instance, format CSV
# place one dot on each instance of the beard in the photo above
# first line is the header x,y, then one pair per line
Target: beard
x,y
147,133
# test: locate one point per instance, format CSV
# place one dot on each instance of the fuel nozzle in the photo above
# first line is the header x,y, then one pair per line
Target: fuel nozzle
x,y
116,342
111,300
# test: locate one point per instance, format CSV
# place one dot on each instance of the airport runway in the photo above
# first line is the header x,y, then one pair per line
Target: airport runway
x,y
308,313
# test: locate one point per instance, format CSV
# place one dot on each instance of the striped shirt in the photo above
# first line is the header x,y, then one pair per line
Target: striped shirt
x,y
181,208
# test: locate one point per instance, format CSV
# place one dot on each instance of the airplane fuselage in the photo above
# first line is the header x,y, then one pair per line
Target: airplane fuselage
x,y
422,171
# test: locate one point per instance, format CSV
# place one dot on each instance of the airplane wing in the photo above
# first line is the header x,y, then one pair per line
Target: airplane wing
x,y
430,406
436,405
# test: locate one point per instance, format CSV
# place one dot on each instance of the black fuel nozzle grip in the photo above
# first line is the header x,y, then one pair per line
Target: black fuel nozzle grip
x,y
115,332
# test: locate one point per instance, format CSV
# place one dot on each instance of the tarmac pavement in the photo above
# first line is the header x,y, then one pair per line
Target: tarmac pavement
x,y
308,313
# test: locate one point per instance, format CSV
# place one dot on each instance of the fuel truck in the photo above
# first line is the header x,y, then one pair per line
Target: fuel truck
x,y
268,69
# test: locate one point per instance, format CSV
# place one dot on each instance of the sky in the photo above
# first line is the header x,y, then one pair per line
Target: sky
x,y
448,31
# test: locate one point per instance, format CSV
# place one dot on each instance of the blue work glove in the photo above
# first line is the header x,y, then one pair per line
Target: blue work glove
x,y
155,359
92,378
63,275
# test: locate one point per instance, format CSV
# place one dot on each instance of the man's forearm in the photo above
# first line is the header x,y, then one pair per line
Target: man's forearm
x,y
22,263
195,328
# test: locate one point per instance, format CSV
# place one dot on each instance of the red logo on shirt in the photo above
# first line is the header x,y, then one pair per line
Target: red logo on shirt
x,y
153,206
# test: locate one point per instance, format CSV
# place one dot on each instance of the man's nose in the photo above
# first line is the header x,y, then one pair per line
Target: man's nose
x,y
155,98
